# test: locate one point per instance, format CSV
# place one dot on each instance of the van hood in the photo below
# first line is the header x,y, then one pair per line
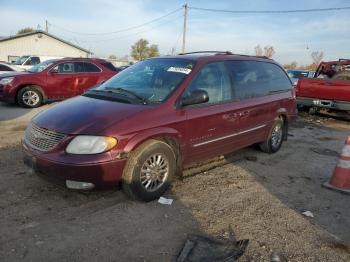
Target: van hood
x,y
85,115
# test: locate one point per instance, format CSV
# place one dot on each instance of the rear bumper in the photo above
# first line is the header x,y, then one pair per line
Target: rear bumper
x,y
99,174
323,103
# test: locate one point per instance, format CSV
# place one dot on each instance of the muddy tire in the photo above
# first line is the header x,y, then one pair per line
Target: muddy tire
x,y
275,139
29,97
149,171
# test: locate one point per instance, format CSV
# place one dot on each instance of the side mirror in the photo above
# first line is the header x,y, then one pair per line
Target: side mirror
x,y
54,71
196,97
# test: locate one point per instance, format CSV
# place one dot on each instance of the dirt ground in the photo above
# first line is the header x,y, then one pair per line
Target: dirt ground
x,y
261,196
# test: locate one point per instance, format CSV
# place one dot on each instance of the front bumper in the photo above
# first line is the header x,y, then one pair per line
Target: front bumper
x,y
98,174
5,95
323,103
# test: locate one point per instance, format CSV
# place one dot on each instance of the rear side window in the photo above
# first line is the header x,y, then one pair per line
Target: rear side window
x,y
91,68
78,67
255,79
110,66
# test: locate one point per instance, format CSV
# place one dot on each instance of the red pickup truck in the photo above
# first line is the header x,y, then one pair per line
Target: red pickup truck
x,y
328,89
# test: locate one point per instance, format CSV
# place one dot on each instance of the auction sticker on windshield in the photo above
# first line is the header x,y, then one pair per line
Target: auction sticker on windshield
x,y
179,70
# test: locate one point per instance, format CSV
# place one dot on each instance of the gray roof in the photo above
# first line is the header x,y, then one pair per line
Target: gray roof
x,y
2,39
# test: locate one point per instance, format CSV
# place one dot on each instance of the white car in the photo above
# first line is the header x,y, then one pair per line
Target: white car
x,y
27,61
7,68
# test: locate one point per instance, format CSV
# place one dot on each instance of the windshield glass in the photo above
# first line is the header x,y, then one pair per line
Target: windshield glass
x,y
152,80
41,67
21,60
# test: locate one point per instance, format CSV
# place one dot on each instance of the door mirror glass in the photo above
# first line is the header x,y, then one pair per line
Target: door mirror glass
x,y
196,97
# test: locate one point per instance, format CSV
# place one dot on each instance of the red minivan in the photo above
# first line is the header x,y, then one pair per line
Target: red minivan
x,y
147,123
54,80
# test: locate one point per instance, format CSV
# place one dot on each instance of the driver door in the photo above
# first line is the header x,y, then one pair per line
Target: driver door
x,y
211,126
63,81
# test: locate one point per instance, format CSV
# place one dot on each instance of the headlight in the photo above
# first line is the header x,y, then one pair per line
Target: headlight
x,y
87,145
6,80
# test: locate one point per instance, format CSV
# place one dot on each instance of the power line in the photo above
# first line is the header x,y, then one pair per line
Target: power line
x,y
121,30
134,33
271,11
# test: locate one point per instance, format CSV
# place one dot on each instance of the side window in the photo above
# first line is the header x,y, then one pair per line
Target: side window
x,y
65,68
214,79
78,67
5,68
255,79
34,60
277,80
110,66
91,68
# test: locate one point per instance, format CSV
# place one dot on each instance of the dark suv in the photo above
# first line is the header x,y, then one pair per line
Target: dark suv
x,y
158,116
54,80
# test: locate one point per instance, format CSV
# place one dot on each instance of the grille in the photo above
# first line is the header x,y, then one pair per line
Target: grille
x,y
42,139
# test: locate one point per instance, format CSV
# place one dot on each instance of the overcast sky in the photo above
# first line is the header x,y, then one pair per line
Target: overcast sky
x,y
294,36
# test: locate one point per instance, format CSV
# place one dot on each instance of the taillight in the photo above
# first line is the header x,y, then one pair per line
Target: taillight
x,y
294,92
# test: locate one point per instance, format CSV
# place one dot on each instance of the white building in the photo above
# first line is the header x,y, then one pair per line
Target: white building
x,y
38,43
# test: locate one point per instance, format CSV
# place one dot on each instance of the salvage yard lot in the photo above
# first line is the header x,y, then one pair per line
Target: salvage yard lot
x,y
261,196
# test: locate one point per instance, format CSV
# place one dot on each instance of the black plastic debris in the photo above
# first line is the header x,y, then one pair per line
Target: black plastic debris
x,y
205,249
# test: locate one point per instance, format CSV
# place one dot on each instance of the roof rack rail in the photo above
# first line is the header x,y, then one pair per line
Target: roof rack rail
x,y
343,59
209,52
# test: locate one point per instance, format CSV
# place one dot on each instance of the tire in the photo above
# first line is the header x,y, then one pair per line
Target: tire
x,y
29,97
152,164
275,139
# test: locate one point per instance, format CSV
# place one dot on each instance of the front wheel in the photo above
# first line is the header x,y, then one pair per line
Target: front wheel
x,y
149,171
275,139
29,97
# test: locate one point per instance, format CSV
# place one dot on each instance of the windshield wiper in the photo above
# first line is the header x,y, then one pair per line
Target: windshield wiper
x,y
122,90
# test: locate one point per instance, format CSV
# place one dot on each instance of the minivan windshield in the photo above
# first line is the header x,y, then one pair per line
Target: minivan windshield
x,y
41,67
151,80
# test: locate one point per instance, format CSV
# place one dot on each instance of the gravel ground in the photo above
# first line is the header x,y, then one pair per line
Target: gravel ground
x,y
261,196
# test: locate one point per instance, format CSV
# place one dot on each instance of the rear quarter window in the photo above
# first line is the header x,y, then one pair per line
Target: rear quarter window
x,y
255,79
110,67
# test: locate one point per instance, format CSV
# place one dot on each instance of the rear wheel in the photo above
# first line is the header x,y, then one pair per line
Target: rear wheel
x,y
149,171
29,97
275,139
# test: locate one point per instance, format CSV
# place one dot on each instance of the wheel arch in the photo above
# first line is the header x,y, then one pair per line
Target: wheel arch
x,y
33,85
282,113
167,135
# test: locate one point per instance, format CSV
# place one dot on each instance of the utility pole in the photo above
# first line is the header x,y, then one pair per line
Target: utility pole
x,y
184,29
46,26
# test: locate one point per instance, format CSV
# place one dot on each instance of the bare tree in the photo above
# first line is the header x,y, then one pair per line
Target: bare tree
x,y
269,51
258,50
317,57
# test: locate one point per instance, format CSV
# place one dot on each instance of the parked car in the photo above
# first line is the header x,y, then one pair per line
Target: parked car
x,y
124,67
147,123
27,61
54,80
7,68
295,75
329,89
